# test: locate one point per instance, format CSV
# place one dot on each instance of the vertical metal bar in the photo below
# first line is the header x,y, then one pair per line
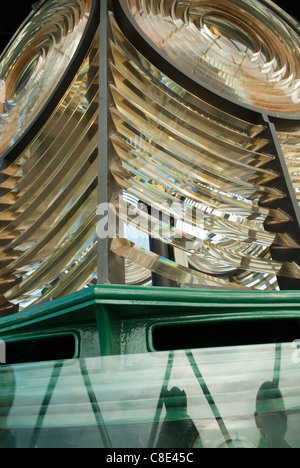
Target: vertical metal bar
x,y
163,250
110,268
166,251
103,243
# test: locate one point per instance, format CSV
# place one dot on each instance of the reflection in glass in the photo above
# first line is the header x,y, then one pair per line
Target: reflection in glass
x,y
270,416
7,395
178,430
220,397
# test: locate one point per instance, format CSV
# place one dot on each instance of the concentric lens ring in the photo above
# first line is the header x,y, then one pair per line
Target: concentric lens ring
x,y
240,49
39,66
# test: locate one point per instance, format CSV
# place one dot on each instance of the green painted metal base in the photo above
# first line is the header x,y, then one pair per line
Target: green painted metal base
x,y
109,320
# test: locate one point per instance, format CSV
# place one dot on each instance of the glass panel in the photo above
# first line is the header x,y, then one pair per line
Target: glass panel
x,y
36,61
233,397
185,275
200,183
241,50
48,225
290,144
126,55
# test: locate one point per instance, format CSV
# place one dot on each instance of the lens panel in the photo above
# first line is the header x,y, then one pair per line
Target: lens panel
x,y
49,190
242,50
177,157
37,61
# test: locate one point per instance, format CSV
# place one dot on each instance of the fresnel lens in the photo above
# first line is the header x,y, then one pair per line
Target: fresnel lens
x,y
48,142
203,138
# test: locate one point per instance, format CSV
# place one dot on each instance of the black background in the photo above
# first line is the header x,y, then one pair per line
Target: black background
x,y
11,17
17,10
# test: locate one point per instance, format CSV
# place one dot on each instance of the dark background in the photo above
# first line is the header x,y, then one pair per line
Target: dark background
x,y
17,10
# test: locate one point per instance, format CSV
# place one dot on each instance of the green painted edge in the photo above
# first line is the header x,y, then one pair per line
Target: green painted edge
x,y
288,301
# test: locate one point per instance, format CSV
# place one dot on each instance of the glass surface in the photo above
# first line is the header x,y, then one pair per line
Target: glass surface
x,y
290,144
34,64
204,173
242,50
228,397
49,198
206,178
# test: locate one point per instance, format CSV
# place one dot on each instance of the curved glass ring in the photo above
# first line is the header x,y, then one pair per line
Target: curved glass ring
x,y
243,51
38,67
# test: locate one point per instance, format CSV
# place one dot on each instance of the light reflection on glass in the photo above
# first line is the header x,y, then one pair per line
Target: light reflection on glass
x,y
175,152
243,395
34,64
240,49
290,144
